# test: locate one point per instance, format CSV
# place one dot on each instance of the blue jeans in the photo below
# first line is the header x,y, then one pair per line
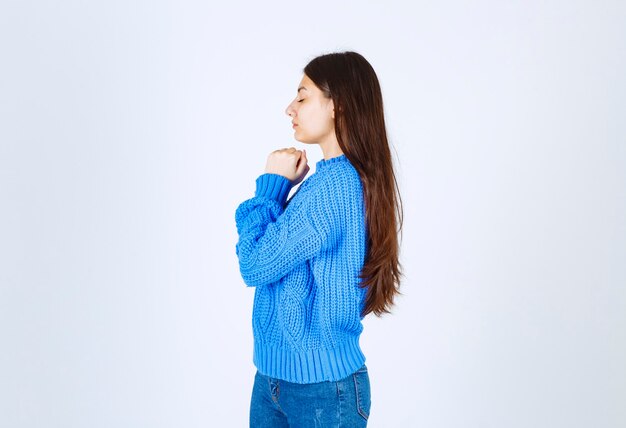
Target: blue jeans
x,y
277,403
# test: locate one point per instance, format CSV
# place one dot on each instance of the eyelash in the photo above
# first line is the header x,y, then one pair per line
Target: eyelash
x,y
301,100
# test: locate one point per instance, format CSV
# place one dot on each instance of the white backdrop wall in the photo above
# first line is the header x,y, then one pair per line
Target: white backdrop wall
x,y
130,132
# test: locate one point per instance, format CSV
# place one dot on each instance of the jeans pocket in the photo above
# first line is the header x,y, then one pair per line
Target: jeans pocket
x,y
362,388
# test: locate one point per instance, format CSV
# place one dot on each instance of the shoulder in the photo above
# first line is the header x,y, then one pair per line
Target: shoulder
x,y
331,186
338,190
344,179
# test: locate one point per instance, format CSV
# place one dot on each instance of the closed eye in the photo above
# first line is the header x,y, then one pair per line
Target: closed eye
x,y
301,100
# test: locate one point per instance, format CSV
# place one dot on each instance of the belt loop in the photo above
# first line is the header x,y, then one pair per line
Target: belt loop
x,y
274,385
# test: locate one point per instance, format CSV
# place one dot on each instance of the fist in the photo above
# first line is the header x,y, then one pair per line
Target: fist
x,y
290,163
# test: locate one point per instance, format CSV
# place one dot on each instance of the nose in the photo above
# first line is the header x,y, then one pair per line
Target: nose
x,y
290,110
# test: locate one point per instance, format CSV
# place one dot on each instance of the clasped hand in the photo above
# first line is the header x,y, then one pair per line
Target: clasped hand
x,y
289,162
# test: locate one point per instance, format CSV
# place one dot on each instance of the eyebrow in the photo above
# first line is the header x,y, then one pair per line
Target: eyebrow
x,y
301,88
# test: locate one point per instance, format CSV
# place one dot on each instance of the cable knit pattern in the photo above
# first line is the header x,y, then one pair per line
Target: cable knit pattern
x,y
304,256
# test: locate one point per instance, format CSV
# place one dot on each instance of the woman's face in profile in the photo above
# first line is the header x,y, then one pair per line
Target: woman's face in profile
x,y
311,112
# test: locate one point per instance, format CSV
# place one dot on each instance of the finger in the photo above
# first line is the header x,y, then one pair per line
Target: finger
x,y
306,170
302,164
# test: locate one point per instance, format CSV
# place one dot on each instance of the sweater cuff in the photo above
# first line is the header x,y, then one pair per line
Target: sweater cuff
x,y
273,186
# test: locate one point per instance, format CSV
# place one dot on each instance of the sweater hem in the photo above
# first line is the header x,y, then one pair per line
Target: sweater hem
x,y
310,366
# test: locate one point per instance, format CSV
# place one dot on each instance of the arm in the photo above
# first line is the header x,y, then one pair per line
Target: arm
x,y
273,240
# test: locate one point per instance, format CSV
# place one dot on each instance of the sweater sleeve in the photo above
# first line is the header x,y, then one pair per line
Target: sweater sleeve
x,y
273,240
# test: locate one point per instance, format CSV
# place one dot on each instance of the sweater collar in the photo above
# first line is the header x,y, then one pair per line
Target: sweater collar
x,y
324,163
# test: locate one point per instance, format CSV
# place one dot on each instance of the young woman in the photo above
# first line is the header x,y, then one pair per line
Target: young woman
x,y
324,259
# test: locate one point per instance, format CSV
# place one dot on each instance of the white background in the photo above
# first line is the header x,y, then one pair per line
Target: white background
x,y
131,131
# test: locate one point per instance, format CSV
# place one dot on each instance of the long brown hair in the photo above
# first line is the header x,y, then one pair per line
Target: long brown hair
x,y
350,81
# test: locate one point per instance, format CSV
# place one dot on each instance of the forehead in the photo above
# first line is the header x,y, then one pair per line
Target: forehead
x,y
306,86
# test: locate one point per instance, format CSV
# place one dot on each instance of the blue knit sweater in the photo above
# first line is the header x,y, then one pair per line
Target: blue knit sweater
x,y
304,256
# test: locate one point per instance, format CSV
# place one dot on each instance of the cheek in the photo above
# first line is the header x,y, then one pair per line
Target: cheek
x,y
302,116
307,114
